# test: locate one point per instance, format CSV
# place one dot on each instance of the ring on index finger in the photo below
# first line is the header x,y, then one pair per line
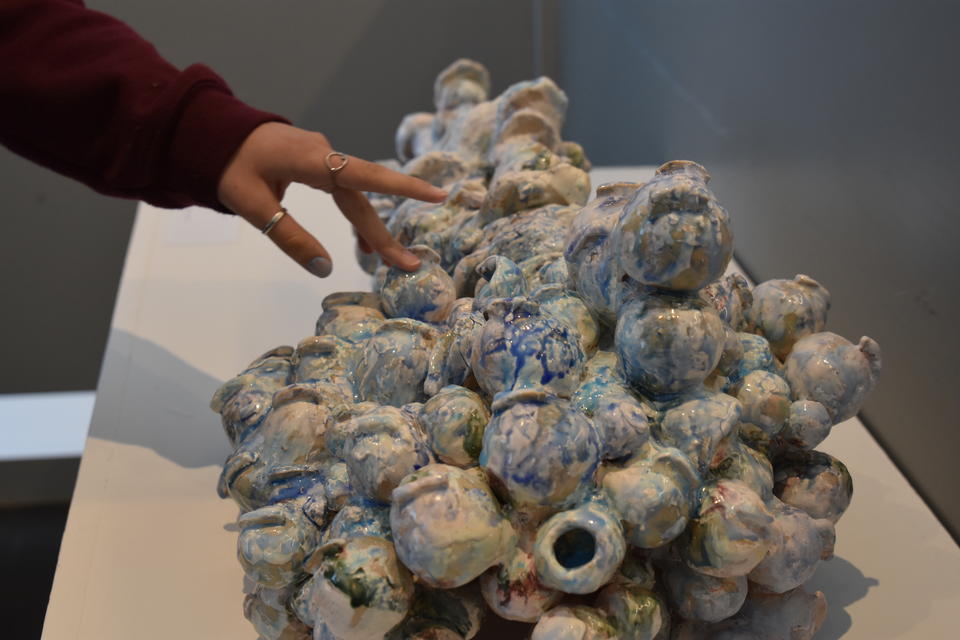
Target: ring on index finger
x,y
335,162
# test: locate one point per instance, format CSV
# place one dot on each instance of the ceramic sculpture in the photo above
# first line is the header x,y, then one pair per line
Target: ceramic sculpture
x,y
567,417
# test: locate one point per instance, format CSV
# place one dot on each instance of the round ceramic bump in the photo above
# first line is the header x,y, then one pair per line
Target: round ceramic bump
x,y
698,596
654,496
574,623
426,294
815,482
274,543
447,525
828,369
363,590
636,611
539,453
514,592
672,234
395,361
731,533
578,551
668,344
350,315
786,310
521,348
798,546
454,421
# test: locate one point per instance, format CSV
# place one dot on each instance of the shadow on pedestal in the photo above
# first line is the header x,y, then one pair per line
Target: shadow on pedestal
x,y
843,584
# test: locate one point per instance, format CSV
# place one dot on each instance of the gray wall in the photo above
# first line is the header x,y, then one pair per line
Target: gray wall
x,y
349,69
831,132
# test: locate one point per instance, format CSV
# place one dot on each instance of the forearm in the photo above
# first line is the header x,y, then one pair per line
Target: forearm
x,y
83,94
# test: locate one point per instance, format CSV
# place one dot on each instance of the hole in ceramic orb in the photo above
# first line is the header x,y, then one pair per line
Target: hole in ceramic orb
x,y
574,548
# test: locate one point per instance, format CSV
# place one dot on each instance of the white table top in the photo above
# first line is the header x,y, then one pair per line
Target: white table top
x,y
149,549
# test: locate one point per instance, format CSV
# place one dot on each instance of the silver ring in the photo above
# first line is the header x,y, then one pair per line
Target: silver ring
x,y
334,168
273,221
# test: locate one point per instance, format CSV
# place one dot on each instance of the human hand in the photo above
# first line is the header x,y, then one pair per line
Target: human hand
x,y
276,154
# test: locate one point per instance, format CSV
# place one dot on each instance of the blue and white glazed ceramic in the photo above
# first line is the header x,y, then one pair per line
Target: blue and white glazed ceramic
x,y
668,344
731,532
394,362
500,277
450,358
538,451
672,233
286,454
519,347
381,445
798,545
274,543
513,589
703,598
267,611
815,482
654,495
447,525
594,272
245,400
568,416
350,315
783,311
579,550
426,294
621,418
698,426
329,360
732,297
362,589
558,302
453,421
829,369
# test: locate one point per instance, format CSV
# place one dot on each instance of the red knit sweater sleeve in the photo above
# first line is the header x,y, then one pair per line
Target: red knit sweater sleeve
x,y
83,94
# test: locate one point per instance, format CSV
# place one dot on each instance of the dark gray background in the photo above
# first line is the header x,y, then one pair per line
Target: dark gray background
x,y
830,129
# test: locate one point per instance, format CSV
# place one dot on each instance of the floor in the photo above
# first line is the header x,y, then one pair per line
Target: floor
x,y
29,543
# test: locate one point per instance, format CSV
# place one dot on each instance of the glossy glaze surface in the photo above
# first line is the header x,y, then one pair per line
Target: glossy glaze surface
x,y
567,416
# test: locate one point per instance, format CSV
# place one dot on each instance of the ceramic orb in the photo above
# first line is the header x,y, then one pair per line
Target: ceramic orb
x,y
363,591
539,453
454,421
731,531
829,369
514,591
672,233
783,311
426,294
447,525
519,347
668,344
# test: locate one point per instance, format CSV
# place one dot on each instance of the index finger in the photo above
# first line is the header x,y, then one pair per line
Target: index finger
x,y
361,175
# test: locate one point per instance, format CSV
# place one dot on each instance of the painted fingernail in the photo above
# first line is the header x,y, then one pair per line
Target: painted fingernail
x,y
320,266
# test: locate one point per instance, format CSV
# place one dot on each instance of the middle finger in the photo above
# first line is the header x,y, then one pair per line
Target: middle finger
x,y
357,209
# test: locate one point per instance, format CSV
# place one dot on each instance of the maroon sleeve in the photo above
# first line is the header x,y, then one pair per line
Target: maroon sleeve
x,y
83,94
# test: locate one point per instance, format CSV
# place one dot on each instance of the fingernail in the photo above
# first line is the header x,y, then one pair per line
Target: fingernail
x,y
411,262
320,267
439,194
